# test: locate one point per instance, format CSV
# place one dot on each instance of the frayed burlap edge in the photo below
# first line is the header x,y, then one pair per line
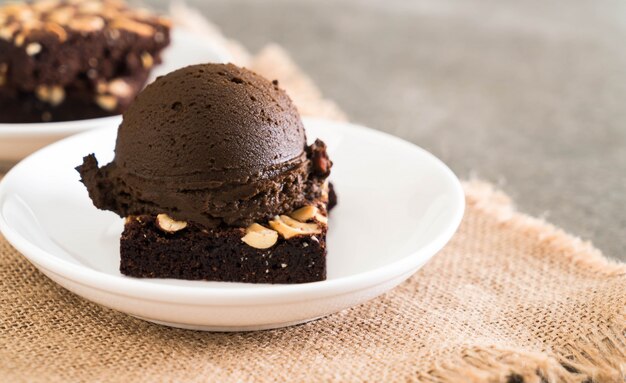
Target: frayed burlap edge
x,y
596,358
602,360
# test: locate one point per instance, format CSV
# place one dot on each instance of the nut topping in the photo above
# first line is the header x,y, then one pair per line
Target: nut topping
x,y
305,213
24,14
308,213
91,7
120,88
57,95
53,95
101,87
325,190
62,16
321,218
133,26
106,102
288,227
45,5
6,33
164,21
80,15
19,39
146,60
168,224
309,227
56,29
260,237
132,218
14,8
33,48
30,25
87,24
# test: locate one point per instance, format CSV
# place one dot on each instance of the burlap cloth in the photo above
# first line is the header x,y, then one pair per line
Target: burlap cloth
x,y
511,298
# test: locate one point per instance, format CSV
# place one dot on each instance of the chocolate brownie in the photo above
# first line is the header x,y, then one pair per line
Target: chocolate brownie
x,y
214,175
197,253
66,60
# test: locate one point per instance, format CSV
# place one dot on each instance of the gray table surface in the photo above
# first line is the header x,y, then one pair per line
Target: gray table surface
x,y
530,95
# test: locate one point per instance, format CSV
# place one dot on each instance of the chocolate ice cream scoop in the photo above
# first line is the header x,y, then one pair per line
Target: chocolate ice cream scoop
x,y
215,144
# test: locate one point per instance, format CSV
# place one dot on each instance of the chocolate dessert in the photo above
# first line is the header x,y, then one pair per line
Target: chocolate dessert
x,y
66,60
215,179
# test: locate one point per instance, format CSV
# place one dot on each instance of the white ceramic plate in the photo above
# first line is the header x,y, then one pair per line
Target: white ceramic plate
x,y
19,140
398,206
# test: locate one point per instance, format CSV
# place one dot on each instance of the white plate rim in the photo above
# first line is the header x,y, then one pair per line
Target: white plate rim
x,y
200,295
57,127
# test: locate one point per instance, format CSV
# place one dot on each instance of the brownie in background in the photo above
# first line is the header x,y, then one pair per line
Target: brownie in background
x,y
71,60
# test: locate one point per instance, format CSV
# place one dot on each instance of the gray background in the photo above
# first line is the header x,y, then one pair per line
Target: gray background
x,y
530,95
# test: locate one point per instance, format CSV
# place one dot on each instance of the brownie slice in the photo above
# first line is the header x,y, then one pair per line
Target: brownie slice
x,y
286,249
67,60
150,249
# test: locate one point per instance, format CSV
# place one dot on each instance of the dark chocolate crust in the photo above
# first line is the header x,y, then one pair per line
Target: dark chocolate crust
x,y
80,60
196,253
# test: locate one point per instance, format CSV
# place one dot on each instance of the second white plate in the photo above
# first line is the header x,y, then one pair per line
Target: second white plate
x,y
398,206
19,140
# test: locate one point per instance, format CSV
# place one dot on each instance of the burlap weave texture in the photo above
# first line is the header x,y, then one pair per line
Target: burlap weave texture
x,y
511,298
